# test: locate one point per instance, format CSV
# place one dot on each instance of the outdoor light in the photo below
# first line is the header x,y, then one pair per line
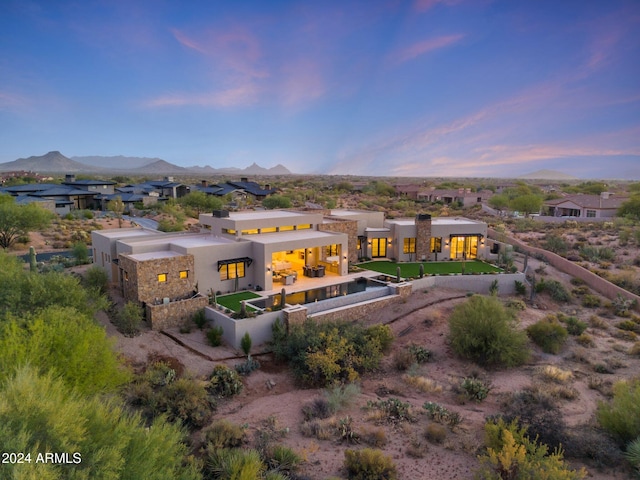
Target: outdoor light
x,y
268,269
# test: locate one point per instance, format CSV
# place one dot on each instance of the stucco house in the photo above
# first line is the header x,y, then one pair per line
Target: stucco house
x,y
604,205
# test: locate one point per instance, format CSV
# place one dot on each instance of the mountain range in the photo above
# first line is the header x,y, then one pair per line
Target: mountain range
x,y
56,162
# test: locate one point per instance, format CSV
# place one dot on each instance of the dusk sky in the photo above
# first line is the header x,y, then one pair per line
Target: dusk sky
x,y
420,88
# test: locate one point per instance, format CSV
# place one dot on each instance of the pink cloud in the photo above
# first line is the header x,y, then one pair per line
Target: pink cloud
x,y
424,5
239,96
302,83
423,47
187,42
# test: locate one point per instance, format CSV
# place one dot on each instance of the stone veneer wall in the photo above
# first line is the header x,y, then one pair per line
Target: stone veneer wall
x,y
174,314
350,227
143,285
423,237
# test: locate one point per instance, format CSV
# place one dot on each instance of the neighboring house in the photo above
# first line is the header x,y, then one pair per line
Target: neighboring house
x,y
262,250
65,197
102,187
238,190
463,196
604,205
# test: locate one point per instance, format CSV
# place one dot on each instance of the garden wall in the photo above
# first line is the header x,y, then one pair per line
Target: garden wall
x,y
259,327
599,284
174,314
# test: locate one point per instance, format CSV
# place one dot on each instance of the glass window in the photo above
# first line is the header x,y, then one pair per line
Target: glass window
x,y
304,226
331,250
232,270
162,277
251,231
436,244
378,247
591,213
126,276
184,273
268,230
229,231
285,228
409,245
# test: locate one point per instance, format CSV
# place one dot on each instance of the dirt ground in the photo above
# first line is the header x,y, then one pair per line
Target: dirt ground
x,y
271,392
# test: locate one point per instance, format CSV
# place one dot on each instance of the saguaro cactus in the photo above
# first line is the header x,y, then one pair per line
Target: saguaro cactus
x,y
33,265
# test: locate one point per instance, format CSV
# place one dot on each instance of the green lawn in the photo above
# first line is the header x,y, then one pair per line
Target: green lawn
x,y
408,270
232,300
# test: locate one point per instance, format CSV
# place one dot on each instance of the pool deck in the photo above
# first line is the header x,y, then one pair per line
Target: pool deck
x,y
307,283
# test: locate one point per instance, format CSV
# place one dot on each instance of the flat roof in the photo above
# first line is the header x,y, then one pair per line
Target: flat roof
x,y
294,235
154,255
401,221
266,214
453,221
200,241
125,232
345,213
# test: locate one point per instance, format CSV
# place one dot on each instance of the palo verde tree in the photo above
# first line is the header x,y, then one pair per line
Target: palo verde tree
x,y
200,201
116,206
18,220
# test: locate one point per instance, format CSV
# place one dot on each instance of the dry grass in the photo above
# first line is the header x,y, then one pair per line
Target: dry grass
x,y
551,373
423,384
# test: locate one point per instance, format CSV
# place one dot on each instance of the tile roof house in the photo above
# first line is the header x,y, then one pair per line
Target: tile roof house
x,y
604,205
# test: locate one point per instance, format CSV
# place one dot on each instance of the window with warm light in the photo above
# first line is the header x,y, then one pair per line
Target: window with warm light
x,y
378,247
268,230
409,245
331,250
304,226
184,273
162,277
232,270
436,244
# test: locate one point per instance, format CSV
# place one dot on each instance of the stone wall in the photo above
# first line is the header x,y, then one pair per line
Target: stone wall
x,y
356,311
140,278
174,314
350,227
599,284
423,237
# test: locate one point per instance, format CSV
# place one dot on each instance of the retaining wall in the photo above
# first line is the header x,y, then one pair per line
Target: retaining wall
x,y
472,283
259,327
599,284
174,314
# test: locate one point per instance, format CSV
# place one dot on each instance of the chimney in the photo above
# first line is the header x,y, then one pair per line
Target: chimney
x,y
244,179
267,186
605,195
204,183
461,190
168,179
69,178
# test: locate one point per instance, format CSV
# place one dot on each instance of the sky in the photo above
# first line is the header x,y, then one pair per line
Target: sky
x,y
420,88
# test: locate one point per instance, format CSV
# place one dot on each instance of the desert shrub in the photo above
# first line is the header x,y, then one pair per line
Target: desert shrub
x,y
394,410
520,287
420,354
282,459
435,433
629,325
632,454
475,389
321,354
214,335
224,434
341,396
483,330
548,334
512,454
423,384
248,366
574,326
374,437
539,413
403,359
442,414
515,304
585,340
621,416
556,244
316,408
585,442
200,319
224,381
591,301
597,322
635,349
622,305
234,463
555,374
129,319
96,278
369,464
245,343
557,291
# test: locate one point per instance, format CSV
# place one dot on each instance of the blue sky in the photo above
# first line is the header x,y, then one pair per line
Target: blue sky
x,y
395,88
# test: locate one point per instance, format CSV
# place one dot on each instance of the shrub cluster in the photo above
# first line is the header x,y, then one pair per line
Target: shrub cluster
x,y
548,334
621,416
225,382
441,414
394,410
475,389
369,464
322,354
484,331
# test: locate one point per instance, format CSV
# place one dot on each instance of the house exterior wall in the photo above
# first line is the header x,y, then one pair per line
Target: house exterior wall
x,y
140,278
348,227
174,314
423,237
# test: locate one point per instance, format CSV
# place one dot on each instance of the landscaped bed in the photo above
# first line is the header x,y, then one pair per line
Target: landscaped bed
x,y
232,301
412,270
